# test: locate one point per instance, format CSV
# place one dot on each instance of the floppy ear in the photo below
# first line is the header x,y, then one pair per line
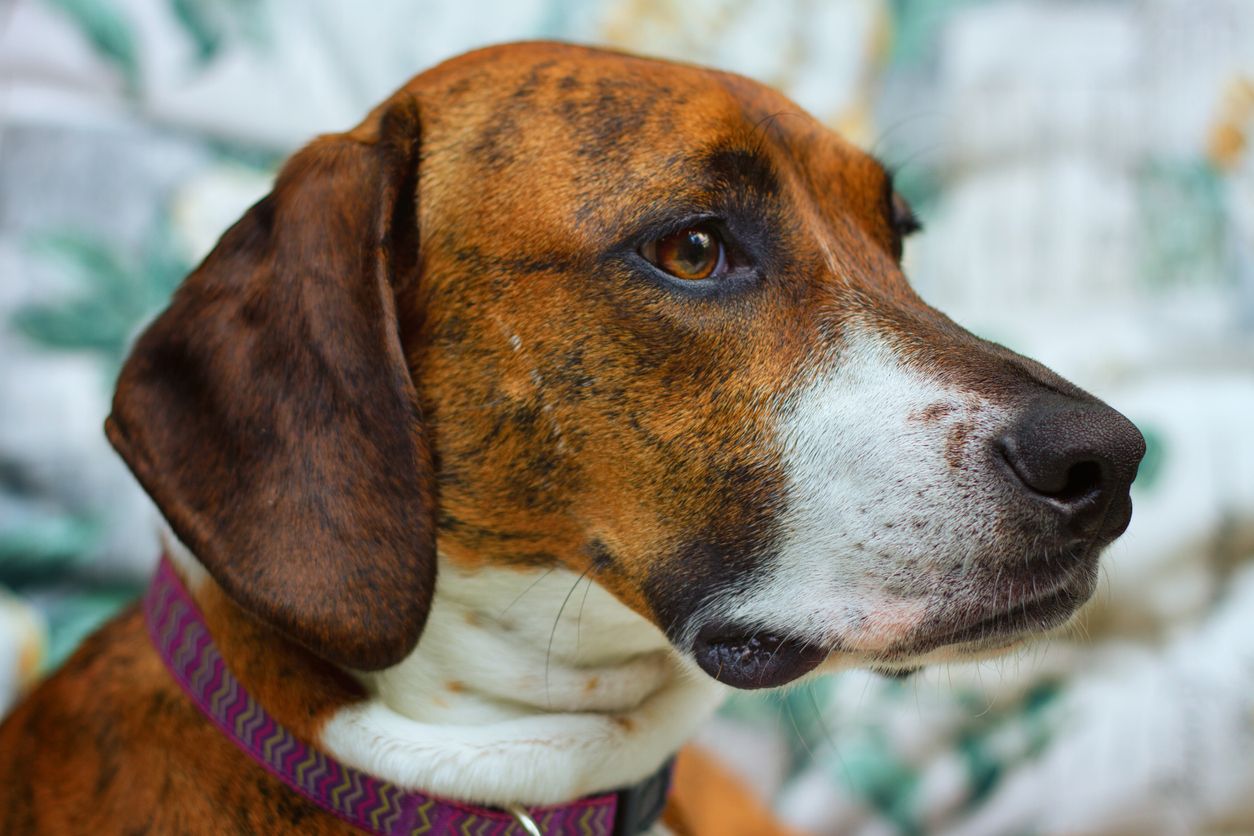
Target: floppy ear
x,y
270,414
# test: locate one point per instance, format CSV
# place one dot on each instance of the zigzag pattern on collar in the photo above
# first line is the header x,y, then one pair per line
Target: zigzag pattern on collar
x,y
178,631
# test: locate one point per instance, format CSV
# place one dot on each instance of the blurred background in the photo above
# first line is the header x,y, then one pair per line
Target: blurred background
x,y
1085,174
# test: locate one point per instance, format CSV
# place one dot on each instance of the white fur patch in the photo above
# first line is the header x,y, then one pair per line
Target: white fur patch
x,y
527,687
885,497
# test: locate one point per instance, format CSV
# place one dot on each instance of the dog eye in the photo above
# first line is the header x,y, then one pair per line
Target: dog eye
x,y
691,254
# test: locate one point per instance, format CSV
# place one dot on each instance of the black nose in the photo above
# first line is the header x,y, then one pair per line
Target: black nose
x,y
1080,457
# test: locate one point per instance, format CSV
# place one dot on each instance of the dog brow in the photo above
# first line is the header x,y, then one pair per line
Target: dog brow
x,y
743,167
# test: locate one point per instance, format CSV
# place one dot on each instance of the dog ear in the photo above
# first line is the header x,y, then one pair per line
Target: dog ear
x,y
270,413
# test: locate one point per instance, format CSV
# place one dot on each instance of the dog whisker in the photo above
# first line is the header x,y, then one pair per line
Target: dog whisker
x,y
579,619
548,656
530,587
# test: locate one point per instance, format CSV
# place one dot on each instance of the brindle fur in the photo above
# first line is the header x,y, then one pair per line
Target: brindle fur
x,y
433,328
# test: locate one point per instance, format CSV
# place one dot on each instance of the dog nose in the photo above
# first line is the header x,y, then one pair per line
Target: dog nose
x,y
1080,457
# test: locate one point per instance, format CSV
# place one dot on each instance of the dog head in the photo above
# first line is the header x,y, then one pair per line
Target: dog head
x,y
551,306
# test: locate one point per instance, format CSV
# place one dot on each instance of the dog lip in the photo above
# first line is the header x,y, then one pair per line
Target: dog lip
x,y
1033,615
748,659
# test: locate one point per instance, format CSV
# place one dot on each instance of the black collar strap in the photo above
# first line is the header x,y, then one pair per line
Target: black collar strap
x,y
640,806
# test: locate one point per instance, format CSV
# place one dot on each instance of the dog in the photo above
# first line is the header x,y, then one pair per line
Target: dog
x,y
515,427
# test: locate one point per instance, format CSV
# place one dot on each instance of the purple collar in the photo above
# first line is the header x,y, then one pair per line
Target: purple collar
x,y
179,633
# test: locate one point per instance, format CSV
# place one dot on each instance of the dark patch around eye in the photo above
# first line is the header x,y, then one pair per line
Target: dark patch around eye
x,y
732,189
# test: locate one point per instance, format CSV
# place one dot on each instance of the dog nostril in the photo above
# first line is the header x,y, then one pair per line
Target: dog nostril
x,y
1083,480
1050,472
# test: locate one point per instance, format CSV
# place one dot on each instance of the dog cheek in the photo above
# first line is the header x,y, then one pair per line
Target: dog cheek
x,y
686,522
713,522
723,554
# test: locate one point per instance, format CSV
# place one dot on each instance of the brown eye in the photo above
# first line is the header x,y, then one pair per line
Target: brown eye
x,y
690,254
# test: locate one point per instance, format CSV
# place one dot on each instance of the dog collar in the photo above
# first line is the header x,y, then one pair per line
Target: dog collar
x,y
182,639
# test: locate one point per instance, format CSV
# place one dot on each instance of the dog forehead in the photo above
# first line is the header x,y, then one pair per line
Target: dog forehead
x,y
535,71
549,108
582,87
574,143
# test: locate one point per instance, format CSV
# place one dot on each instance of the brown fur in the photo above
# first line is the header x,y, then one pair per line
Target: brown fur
x,y
110,744
434,328
708,800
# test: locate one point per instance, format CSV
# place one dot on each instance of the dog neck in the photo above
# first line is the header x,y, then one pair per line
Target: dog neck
x,y
527,687
534,687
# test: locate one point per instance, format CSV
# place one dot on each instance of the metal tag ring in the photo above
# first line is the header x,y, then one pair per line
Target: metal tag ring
x,y
524,819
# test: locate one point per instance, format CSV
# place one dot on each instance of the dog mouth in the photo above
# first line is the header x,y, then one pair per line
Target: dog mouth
x,y
753,658
1029,616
